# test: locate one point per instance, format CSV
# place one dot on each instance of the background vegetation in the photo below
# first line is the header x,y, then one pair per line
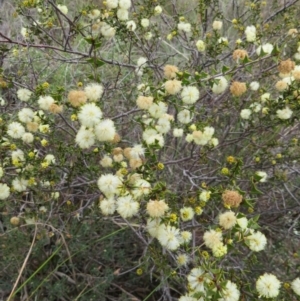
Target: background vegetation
x,y
64,248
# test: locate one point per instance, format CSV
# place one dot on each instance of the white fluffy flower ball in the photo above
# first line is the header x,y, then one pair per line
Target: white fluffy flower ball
x,y
89,115
130,25
186,27
125,4
45,102
245,114
257,241
109,184
107,206
200,45
268,285
230,292
284,114
24,94
15,130
4,191
26,115
85,138
190,94
267,48
295,285
93,91
110,4
105,130
254,86
169,237
250,33
184,116
145,22
127,207
221,86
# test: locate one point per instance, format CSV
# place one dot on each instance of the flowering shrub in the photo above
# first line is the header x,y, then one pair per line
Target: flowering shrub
x,y
176,126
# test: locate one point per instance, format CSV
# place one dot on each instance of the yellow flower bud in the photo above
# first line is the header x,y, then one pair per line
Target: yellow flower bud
x,y
44,142
230,159
139,272
160,166
45,85
173,217
73,117
13,147
225,171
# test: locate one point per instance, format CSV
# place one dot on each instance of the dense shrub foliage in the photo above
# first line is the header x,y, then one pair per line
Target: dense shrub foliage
x,y
149,150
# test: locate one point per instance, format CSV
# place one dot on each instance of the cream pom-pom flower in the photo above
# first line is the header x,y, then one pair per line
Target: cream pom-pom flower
x,y
19,184
109,184
127,207
230,292
177,132
144,102
197,279
122,14
141,188
295,285
190,95
163,125
217,25
157,10
105,130
110,4
256,241
187,213
200,45
145,22
89,115
153,226
157,208
212,238
157,110
15,130
182,259
173,86
268,285
85,138
245,114
93,91
184,116
183,26
250,33
27,138
185,237
220,86
18,155
227,220
26,115
254,86
107,31
130,25
45,102
169,237
125,4
284,114
24,94
4,191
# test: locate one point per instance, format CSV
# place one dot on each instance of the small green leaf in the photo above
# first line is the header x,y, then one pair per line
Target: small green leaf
x,y
95,62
